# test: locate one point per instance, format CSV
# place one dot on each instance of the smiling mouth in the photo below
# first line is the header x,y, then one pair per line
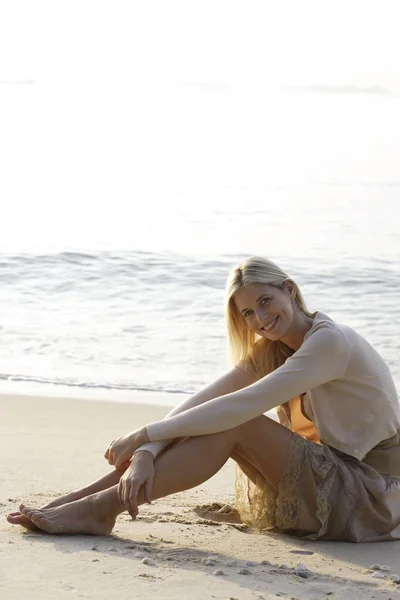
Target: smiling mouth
x,y
270,325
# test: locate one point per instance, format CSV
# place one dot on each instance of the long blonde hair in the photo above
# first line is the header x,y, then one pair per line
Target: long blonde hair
x,y
245,345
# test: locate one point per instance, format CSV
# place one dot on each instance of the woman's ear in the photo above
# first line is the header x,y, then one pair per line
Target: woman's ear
x,y
290,288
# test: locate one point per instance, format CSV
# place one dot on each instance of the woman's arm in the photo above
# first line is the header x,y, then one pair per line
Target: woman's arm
x,y
235,379
322,358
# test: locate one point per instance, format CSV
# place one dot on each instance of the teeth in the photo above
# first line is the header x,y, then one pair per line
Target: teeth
x,y
270,325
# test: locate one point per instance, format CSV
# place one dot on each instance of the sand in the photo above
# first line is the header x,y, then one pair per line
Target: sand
x,y
50,446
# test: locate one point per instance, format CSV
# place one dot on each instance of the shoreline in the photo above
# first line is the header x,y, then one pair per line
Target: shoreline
x,y
40,390
51,446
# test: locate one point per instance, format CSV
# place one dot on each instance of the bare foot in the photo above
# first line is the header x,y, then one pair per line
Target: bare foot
x,y
17,518
109,480
223,513
85,516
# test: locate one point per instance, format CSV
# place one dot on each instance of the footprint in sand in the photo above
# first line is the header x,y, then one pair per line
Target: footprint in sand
x,y
223,513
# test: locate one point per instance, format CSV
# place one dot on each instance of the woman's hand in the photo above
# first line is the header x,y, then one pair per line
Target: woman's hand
x,y
139,473
121,450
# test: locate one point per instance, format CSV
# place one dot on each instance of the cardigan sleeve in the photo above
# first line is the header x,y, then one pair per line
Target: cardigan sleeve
x,y
235,379
322,357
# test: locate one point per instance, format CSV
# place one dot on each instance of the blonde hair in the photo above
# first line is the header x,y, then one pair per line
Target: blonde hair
x,y
245,345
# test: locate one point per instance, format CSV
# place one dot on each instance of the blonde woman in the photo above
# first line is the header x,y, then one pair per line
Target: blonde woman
x,y
329,470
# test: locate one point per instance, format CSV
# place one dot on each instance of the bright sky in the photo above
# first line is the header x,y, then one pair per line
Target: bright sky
x,y
209,41
137,103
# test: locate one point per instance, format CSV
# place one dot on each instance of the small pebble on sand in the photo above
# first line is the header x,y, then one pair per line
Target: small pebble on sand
x,y
250,563
139,555
147,561
301,567
395,578
208,562
112,549
94,548
378,575
265,562
303,574
244,572
384,568
283,566
218,572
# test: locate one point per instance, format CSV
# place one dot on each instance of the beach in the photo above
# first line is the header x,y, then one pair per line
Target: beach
x,y
146,150
51,446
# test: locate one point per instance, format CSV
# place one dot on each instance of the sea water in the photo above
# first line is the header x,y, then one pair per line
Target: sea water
x,y
116,242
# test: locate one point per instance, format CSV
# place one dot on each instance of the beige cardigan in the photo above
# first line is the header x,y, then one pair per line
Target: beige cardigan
x,y
349,394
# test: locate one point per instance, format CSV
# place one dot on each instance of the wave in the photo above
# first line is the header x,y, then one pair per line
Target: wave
x,y
93,385
74,269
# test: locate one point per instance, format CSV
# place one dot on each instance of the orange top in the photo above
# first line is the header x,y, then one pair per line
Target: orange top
x,y
299,423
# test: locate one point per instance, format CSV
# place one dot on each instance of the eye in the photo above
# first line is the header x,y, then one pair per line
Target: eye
x,y
265,300
247,313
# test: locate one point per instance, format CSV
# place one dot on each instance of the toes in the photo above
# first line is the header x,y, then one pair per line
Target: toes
x,y
14,516
17,518
40,520
28,511
25,509
37,517
31,518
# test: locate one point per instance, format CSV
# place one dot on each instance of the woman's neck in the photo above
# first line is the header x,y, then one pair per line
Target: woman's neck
x,y
302,323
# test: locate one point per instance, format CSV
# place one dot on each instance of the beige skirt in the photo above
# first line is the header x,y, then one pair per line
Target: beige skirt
x,y
323,494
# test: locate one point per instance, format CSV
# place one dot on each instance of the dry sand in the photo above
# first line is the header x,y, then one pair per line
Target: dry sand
x,y
52,445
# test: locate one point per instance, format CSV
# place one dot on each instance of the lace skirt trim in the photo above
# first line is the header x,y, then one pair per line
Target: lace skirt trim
x,y
263,508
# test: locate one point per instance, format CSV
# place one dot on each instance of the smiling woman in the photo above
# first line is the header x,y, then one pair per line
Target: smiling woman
x,y
267,310
329,470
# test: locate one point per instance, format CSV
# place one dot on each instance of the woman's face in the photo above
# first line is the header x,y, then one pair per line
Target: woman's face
x,y
267,309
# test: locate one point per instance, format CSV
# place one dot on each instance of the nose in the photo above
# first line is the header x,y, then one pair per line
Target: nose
x,y
261,314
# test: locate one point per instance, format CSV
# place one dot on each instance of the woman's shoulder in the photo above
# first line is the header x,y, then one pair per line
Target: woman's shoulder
x,y
327,327
324,323
327,334
329,339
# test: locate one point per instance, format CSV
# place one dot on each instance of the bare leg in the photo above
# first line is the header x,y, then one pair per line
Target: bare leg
x,y
105,482
109,480
263,442
225,513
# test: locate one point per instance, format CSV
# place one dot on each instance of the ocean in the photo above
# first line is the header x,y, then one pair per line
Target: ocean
x,y
113,271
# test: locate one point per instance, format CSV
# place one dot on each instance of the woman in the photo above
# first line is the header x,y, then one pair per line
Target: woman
x,y
329,470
